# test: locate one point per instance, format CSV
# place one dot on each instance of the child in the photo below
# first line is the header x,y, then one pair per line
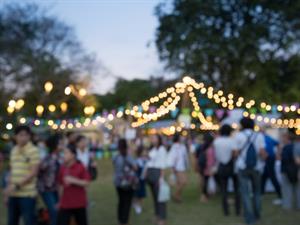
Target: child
x,y
141,191
73,179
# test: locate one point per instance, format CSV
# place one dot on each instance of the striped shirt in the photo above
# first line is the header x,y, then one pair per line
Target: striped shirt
x,y
21,162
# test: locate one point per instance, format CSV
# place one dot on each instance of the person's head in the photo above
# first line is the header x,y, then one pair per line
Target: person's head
x,y
71,136
122,147
176,138
70,154
141,151
156,140
247,123
54,143
23,135
81,142
207,140
285,138
226,130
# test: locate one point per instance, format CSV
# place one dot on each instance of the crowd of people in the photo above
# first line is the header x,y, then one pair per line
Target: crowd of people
x,y
238,162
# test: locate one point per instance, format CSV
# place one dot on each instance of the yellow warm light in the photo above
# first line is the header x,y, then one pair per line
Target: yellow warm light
x,y
89,110
37,122
19,104
82,92
10,110
268,107
52,108
63,106
50,122
22,120
39,109
48,86
263,105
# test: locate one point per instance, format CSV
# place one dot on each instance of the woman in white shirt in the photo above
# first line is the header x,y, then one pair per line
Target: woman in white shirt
x,y
178,160
225,148
155,173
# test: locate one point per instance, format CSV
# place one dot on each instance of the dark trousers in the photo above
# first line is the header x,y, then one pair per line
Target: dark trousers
x,y
125,197
51,199
223,179
160,208
21,207
269,172
64,216
250,185
204,184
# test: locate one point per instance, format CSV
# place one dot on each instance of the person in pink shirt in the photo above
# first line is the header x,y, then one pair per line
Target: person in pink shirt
x,y
206,162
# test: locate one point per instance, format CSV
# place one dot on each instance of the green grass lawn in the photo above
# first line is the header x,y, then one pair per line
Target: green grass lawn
x,y
190,212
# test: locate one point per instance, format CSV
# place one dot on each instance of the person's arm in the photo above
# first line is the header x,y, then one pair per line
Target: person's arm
x,y
297,155
27,179
297,160
76,181
34,168
82,180
262,147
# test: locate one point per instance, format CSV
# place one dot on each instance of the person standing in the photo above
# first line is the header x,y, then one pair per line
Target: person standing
x,y
82,150
125,181
140,193
178,160
225,150
47,176
73,179
21,190
85,157
205,157
290,164
269,168
155,174
249,166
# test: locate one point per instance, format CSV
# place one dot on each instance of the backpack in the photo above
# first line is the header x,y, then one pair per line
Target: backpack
x,y
128,178
288,161
251,153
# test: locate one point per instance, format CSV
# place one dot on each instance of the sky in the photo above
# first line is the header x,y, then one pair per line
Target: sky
x,y
120,32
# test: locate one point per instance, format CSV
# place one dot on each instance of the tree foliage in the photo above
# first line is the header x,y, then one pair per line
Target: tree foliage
x,y
35,47
250,47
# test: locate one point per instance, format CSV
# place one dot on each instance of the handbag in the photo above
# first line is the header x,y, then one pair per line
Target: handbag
x,y
164,193
211,185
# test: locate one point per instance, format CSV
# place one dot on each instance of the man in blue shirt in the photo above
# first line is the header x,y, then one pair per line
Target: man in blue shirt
x,y
269,169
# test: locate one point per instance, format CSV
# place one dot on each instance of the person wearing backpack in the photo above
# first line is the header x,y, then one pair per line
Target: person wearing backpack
x,y
290,164
125,181
249,166
206,161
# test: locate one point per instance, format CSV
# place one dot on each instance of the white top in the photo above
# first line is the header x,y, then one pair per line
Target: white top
x,y
83,157
158,158
178,157
224,147
241,140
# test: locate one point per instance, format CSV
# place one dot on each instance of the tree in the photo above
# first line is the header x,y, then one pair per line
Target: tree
x,y
250,47
35,47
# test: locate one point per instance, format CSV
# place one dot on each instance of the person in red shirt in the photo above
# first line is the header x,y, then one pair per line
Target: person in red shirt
x,y
73,179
